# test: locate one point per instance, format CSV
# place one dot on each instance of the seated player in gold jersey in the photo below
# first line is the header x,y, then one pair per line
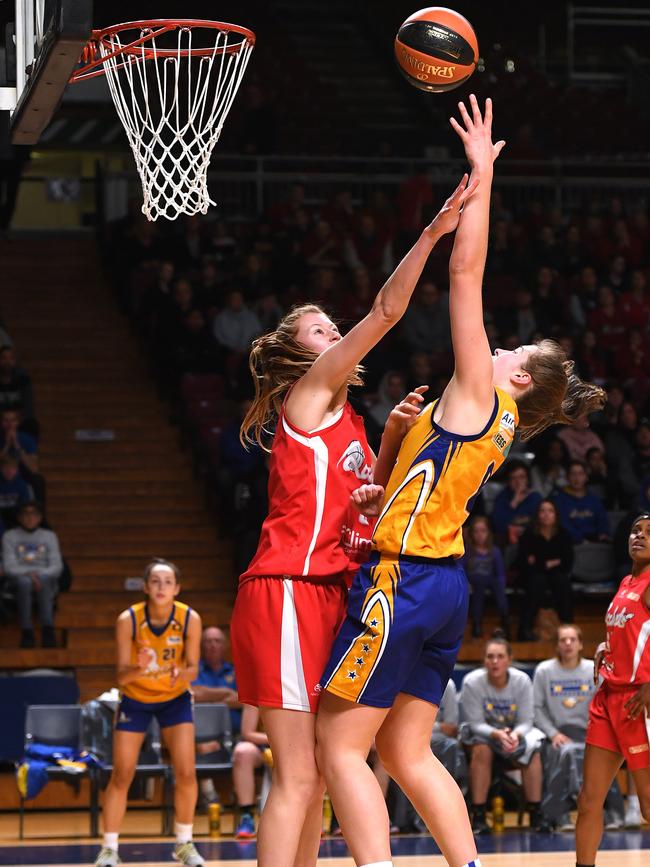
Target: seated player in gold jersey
x,y
408,605
158,652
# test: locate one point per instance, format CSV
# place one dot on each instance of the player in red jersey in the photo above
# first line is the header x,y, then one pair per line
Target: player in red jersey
x,y
292,597
619,728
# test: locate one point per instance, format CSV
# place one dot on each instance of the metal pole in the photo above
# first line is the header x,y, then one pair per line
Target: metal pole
x,y
21,78
28,33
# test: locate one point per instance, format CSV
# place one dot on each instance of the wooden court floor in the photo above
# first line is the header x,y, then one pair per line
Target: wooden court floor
x,y
612,858
60,840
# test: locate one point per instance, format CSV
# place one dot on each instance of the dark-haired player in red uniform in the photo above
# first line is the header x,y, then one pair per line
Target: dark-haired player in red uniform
x,y
292,597
619,728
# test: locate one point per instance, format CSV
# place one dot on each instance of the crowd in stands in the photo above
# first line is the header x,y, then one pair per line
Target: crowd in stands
x,y
32,570
200,290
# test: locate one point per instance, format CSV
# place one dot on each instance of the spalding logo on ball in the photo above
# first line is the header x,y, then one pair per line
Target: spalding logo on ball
x,y
436,49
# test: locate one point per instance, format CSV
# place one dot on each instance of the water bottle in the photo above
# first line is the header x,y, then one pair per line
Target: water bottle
x,y
214,819
327,814
498,815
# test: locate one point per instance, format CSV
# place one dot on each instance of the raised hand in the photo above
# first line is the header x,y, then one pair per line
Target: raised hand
x,y
403,416
446,220
368,499
476,133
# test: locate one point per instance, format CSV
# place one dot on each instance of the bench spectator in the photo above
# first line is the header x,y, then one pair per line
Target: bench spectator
x,y
216,681
562,688
32,562
496,704
248,755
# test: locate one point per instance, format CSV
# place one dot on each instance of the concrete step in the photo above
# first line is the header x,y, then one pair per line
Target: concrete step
x,y
217,567
108,543
130,532
104,584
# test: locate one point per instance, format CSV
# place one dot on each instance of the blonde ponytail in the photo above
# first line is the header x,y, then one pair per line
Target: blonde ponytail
x,y
556,394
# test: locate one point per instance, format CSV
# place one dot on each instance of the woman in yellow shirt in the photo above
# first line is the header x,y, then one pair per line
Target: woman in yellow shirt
x,y
158,651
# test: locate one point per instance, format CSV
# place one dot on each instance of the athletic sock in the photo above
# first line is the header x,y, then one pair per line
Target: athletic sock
x,y
183,833
475,863
378,864
633,801
110,841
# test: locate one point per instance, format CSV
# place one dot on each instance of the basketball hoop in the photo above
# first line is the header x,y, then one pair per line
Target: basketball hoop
x,y
173,83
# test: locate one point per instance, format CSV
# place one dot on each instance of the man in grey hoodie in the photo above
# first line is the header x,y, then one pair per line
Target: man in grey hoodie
x,y
32,563
562,690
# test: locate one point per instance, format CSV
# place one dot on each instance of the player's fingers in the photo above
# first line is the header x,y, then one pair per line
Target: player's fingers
x,y
499,146
421,389
458,128
476,111
469,191
487,117
467,120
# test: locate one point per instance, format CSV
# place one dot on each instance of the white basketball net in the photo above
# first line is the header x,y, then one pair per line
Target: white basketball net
x,y
173,108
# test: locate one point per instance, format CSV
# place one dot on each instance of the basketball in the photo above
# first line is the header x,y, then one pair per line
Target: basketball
x,y
436,49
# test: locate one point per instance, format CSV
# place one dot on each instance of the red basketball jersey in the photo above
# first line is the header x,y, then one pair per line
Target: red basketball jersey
x,y
312,529
627,661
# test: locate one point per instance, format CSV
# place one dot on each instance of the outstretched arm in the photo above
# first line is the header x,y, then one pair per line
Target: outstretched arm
x,y
311,396
473,371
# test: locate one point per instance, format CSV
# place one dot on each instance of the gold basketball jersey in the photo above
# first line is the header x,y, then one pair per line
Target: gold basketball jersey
x,y
435,481
165,646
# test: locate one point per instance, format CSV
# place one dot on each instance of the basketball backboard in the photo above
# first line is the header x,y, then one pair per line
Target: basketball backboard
x,y
43,45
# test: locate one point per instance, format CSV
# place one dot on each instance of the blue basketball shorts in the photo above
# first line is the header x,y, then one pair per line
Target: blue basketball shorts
x,y
135,716
402,633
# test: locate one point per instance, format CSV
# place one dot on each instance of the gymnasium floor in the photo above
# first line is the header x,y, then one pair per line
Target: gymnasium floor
x,y
511,849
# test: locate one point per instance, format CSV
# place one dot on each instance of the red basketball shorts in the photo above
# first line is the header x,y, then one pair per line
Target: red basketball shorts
x,y
611,728
282,631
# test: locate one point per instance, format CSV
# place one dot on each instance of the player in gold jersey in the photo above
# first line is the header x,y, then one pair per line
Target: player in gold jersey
x,y
158,652
408,605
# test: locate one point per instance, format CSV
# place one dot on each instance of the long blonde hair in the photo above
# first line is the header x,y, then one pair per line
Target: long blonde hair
x,y
556,394
276,362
